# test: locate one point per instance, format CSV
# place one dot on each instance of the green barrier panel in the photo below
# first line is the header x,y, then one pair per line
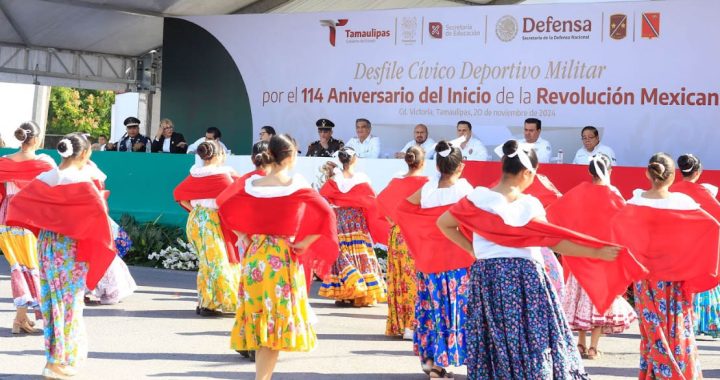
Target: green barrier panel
x,y
140,184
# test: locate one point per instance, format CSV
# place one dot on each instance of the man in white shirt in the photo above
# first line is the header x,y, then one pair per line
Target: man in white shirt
x,y
211,133
420,134
472,148
531,130
365,145
591,146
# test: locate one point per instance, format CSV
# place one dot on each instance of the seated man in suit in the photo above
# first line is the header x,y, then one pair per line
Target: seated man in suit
x,y
167,140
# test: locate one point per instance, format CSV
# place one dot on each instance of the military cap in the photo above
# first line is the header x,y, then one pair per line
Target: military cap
x,y
324,124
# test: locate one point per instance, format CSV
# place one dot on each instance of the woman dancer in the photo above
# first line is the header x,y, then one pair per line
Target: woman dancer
x,y
676,240
515,327
117,283
219,272
355,278
401,276
706,305
286,225
588,208
19,245
442,273
75,248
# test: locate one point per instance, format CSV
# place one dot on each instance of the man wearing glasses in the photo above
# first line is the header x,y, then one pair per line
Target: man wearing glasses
x,y
591,146
326,145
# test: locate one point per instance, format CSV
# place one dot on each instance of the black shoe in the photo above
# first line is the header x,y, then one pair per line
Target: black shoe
x,y
244,353
205,312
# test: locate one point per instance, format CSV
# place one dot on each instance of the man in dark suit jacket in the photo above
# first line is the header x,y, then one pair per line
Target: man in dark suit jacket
x,y
167,140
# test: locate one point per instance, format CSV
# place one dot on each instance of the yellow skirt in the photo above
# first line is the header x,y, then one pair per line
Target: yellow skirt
x,y
402,287
218,279
20,249
273,308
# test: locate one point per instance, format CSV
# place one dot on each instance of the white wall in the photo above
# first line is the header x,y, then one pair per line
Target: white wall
x,y
16,107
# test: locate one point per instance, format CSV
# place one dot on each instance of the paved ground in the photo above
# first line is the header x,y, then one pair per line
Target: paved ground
x,y
155,334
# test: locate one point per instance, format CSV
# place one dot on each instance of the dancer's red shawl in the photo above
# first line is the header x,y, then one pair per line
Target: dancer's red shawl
x,y
76,210
397,191
209,187
20,173
675,245
360,196
299,214
603,281
431,250
588,209
699,194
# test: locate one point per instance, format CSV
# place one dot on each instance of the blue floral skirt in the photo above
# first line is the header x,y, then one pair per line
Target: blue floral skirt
x,y
706,307
516,328
440,311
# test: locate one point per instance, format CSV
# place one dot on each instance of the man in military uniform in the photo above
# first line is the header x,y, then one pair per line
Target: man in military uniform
x,y
327,145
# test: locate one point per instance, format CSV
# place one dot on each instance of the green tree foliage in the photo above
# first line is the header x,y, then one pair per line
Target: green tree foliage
x,y
76,110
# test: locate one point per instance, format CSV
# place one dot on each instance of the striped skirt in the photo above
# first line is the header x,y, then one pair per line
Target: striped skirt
x,y
355,276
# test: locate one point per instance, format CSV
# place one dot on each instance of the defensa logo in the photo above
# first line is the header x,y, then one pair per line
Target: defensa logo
x,y
506,28
551,25
332,24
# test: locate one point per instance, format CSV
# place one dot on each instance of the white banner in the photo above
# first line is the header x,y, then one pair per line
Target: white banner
x,y
644,73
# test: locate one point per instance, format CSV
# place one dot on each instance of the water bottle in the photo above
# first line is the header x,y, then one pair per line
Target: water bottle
x,y
560,156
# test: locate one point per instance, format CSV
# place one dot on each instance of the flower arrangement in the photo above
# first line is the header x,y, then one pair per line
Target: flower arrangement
x,y
182,257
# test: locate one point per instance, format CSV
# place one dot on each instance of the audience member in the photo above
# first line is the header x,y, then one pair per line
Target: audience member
x,y
167,140
326,146
211,133
132,140
101,143
472,148
542,147
591,146
365,145
420,138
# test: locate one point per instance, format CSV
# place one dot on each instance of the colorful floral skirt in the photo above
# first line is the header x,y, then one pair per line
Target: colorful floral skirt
x,y
217,279
356,274
667,341
273,308
583,316
20,249
402,285
515,325
441,310
706,307
62,287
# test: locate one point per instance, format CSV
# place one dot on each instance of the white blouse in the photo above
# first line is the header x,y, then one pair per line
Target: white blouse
x,y
515,214
298,182
433,196
346,184
676,201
